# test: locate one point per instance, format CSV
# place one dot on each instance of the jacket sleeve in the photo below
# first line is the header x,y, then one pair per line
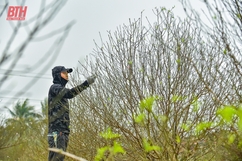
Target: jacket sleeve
x,y
62,92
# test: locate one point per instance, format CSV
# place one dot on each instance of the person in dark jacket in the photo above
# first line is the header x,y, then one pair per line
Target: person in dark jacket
x,y
58,109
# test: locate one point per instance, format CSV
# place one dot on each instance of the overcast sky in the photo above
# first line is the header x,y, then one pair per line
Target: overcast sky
x,y
91,18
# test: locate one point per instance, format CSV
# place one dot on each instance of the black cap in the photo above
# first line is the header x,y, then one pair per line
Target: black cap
x,y
69,70
58,69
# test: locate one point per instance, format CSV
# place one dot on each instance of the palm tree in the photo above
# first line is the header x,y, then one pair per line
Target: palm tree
x,y
44,108
22,111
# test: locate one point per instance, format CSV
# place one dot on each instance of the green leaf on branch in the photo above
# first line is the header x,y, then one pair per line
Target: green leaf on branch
x,y
231,138
225,51
178,139
177,98
148,147
178,61
130,62
227,113
108,134
117,148
203,126
163,118
195,104
100,153
140,118
238,15
240,144
147,103
239,114
185,127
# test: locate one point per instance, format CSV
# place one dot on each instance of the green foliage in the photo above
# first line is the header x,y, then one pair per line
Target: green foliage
x,y
44,108
231,114
231,138
238,15
195,104
130,62
162,118
186,127
140,118
101,153
225,51
203,126
178,61
22,111
148,147
23,137
147,103
227,113
108,134
177,98
239,115
108,152
178,139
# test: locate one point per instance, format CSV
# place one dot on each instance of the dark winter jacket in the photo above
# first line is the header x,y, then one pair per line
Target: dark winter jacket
x,y
58,106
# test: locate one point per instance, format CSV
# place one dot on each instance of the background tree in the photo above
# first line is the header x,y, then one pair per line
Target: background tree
x,y
25,138
33,27
223,27
16,131
22,112
44,108
159,86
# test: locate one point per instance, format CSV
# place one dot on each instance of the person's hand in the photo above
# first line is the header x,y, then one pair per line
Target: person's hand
x,y
91,79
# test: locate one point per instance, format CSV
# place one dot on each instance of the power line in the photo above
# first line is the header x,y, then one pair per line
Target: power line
x,y
20,71
15,73
23,74
20,75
